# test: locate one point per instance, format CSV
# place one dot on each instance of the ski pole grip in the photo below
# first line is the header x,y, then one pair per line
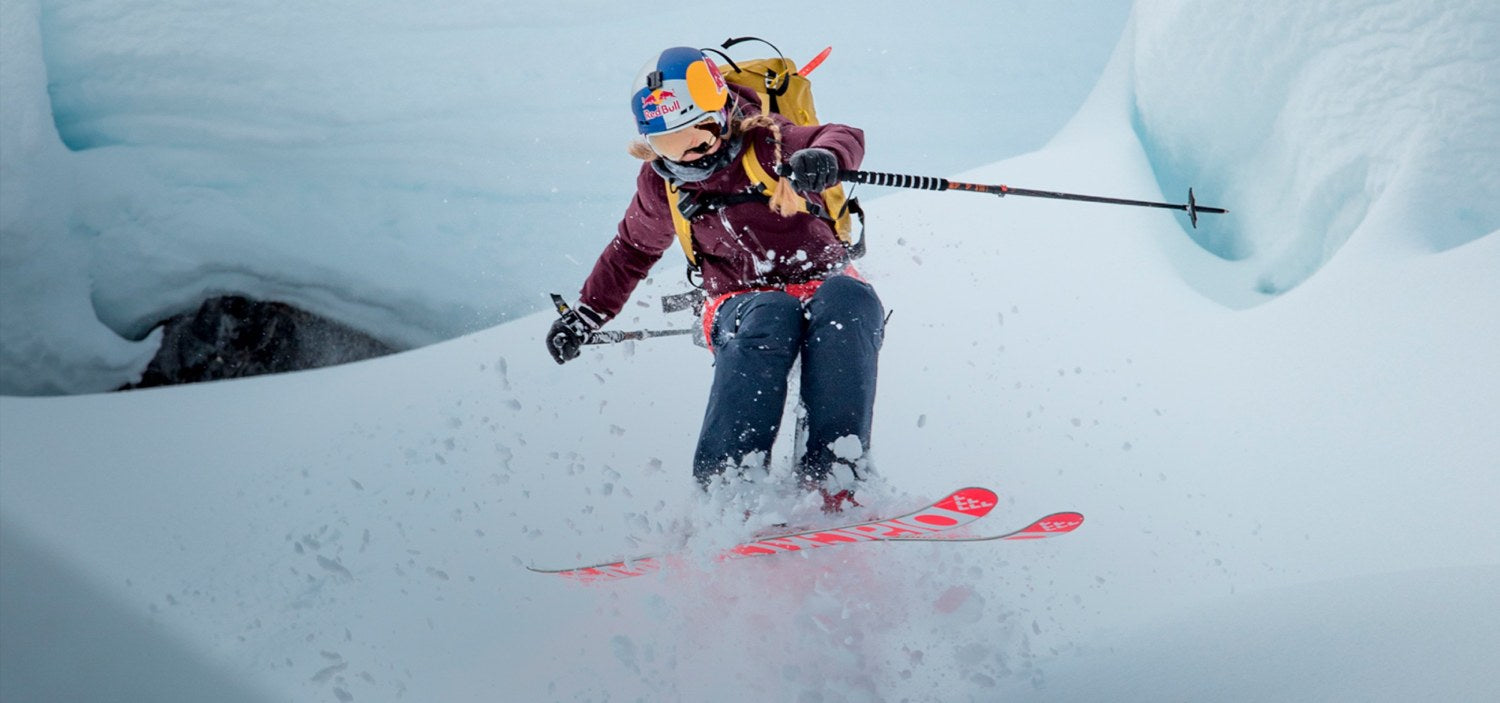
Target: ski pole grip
x,y
894,180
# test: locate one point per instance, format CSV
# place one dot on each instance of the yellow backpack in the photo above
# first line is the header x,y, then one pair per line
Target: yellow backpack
x,y
786,91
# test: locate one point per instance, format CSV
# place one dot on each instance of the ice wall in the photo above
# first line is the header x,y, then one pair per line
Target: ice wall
x,y
416,171
44,288
1312,120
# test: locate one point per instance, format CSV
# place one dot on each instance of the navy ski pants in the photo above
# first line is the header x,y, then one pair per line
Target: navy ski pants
x,y
757,336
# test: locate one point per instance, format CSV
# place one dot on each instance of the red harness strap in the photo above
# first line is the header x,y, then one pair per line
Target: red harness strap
x,y
802,291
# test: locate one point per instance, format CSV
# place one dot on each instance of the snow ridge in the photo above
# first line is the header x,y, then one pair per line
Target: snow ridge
x,y
1315,119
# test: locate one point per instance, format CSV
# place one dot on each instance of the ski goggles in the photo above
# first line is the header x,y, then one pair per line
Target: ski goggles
x,y
690,141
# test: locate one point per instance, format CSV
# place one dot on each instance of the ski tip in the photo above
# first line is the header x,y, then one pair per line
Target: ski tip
x,y
608,571
1050,526
1071,519
539,570
973,501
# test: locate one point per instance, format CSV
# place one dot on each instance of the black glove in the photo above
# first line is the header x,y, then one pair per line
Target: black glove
x,y
570,331
813,170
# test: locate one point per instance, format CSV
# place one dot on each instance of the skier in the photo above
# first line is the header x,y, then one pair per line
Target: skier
x,y
779,286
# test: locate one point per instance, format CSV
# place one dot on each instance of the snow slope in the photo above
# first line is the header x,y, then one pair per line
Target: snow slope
x,y
1291,501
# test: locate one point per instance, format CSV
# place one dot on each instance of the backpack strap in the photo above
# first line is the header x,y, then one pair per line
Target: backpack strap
x,y
763,186
675,201
681,224
760,179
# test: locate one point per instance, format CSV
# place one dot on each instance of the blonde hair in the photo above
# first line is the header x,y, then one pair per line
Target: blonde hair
x,y
785,201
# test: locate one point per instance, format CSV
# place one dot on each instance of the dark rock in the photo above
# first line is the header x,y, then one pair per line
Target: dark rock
x,y
235,337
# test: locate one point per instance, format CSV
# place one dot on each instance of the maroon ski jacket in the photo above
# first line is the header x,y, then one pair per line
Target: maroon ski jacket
x,y
740,247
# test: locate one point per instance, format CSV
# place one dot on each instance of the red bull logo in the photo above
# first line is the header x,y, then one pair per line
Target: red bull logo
x,y
713,72
659,103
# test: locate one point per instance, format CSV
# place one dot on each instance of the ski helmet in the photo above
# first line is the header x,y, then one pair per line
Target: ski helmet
x,y
681,87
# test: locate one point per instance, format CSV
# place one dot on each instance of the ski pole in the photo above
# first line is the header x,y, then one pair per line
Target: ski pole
x,y
897,180
615,336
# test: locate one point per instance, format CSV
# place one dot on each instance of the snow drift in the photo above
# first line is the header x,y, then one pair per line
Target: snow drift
x,y
1310,120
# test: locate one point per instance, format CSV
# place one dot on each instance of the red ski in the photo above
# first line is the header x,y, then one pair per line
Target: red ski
x,y
928,524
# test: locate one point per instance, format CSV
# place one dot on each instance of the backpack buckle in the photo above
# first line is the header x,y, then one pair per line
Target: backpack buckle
x,y
691,205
